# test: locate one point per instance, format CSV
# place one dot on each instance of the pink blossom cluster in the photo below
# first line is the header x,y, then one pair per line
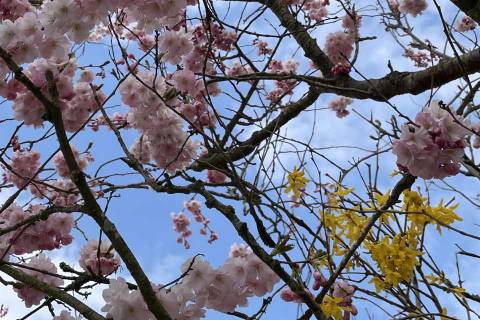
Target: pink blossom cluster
x,y
66,15
339,105
421,59
316,9
342,289
98,258
62,193
215,35
466,24
207,40
198,115
194,207
13,9
262,47
282,87
288,295
433,146
47,234
223,289
99,32
25,40
413,7
340,68
78,109
175,45
222,39
76,102
216,176
24,166
198,60
28,34
308,4
186,82
191,50
237,69
123,304
65,315
319,280
164,139
339,45
61,165
476,136
118,120
15,143
352,22
145,40
26,107
45,269
181,223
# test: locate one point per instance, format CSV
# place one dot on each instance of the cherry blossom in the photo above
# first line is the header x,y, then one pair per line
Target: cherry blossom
x,y
339,47
47,234
181,225
24,167
223,289
65,315
62,167
216,176
339,105
466,24
413,7
288,295
319,280
98,258
41,263
433,146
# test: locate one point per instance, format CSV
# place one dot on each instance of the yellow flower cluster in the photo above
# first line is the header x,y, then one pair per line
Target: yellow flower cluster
x,y
331,309
379,201
343,224
296,182
396,257
420,213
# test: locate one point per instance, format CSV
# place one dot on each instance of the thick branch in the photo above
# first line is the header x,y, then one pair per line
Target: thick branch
x,y
398,83
298,31
470,7
54,292
219,160
96,212
92,207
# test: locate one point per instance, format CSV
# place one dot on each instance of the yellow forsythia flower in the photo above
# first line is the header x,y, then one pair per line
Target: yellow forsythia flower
x,y
396,258
421,213
331,308
296,182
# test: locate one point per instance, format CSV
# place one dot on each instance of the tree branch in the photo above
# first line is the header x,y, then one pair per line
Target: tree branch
x,y
470,7
54,292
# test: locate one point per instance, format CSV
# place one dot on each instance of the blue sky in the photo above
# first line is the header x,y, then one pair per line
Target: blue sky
x,y
143,217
